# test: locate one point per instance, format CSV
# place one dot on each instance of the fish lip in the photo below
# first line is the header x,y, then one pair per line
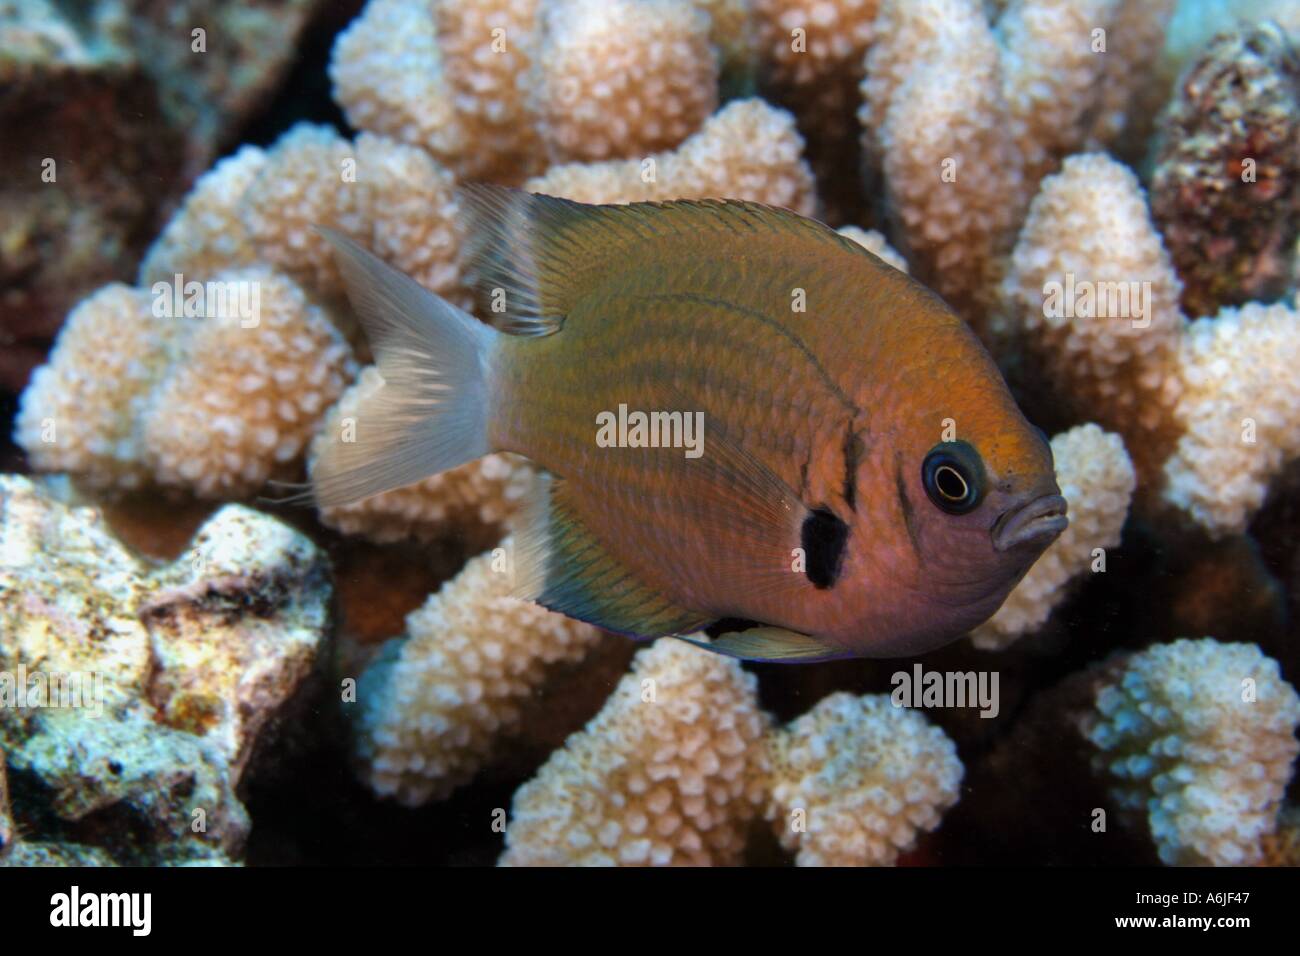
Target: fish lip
x,y
1039,521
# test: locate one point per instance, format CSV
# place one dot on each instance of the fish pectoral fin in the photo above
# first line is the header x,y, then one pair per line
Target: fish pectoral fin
x,y
768,643
771,644
562,566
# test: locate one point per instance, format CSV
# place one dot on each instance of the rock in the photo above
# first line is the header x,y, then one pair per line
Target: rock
x,y
147,688
110,109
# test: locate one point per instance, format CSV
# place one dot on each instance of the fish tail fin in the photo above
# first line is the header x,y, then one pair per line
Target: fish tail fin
x,y
432,412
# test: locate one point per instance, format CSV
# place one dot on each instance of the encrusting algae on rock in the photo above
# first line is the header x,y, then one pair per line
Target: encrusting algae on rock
x,y
154,684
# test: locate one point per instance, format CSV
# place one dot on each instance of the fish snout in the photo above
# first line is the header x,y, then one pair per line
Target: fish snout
x,y
1038,522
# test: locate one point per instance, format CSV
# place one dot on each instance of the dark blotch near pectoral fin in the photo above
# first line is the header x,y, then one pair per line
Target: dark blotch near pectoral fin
x,y
823,538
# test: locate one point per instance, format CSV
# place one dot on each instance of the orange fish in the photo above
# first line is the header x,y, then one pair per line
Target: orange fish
x,y
744,417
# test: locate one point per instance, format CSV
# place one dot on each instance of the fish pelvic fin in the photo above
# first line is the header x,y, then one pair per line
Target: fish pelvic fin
x,y
774,644
432,411
561,565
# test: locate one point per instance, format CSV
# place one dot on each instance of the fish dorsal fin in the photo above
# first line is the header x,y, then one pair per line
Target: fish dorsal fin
x,y
772,644
530,256
561,565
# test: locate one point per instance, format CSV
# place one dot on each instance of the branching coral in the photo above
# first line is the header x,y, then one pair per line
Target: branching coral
x,y
747,150
963,121
1199,736
303,183
389,76
213,404
237,404
856,779
489,49
969,108
80,413
1051,67
680,760
260,207
448,77
623,78
932,114
1097,479
492,87
811,55
666,773
1129,87
1226,186
732,31
434,705
1097,298
811,52
1239,414
481,495
207,235
1207,410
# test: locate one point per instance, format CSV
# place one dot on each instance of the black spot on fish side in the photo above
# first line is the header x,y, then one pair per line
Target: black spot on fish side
x,y
823,538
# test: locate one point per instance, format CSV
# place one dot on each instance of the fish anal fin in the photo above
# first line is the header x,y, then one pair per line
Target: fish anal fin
x,y
561,565
776,644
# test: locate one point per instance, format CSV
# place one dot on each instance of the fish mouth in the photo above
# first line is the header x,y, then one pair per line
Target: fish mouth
x,y
1038,522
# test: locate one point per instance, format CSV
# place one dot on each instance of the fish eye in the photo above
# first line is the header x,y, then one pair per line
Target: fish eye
x,y
953,476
